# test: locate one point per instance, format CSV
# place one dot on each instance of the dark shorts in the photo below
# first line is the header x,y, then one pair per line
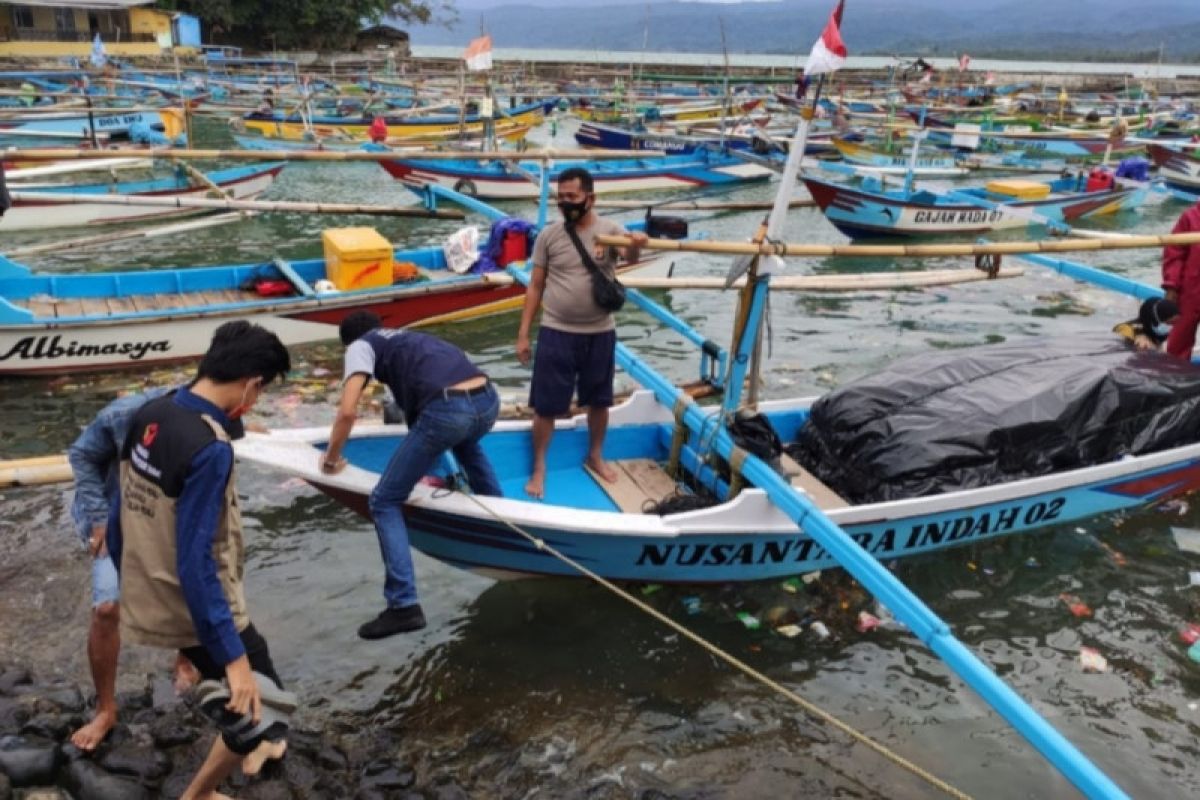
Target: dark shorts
x,y
259,657
568,363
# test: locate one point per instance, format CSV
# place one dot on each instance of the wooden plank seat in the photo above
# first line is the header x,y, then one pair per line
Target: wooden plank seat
x,y
640,482
825,498
52,307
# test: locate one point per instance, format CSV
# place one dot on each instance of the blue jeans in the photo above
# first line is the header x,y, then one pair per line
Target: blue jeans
x,y
454,422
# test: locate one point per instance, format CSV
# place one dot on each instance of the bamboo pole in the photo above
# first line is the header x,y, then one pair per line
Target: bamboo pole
x,y
548,154
119,236
699,205
35,471
860,282
230,204
806,250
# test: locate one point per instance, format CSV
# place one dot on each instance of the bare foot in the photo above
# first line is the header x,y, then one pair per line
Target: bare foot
x,y
89,737
536,487
603,469
252,763
186,675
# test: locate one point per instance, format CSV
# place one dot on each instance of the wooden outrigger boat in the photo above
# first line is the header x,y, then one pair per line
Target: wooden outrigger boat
x,y
1178,168
495,180
871,210
110,126
35,208
745,538
426,128
51,323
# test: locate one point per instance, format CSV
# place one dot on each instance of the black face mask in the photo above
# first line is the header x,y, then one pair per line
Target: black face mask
x,y
573,212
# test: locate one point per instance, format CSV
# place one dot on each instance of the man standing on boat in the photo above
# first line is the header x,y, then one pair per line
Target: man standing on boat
x,y
1181,280
175,536
576,345
449,405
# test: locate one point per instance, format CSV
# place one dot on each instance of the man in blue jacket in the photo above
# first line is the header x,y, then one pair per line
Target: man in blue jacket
x,y
176,538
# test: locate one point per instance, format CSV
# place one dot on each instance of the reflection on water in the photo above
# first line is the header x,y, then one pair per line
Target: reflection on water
x,y
558,687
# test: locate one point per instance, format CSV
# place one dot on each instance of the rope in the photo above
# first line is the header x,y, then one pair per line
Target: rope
x,y
732,661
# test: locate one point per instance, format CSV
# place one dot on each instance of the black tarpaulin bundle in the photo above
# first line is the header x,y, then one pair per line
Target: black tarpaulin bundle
x,y
969,418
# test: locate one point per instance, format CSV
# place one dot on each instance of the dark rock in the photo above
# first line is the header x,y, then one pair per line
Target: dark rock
x,y
331,758
385,775
449,790
28,760
369,793
170,732
64,698
48,726
13,677
299,772
13,714
266,790
85,780
144,763
132,701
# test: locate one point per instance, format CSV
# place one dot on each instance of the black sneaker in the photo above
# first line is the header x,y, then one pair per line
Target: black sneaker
x,y
392,621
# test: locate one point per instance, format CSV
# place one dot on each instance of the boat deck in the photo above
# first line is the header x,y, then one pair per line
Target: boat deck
x,y
50,307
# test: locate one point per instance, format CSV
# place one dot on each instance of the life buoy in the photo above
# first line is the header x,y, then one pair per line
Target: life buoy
x,y
467,187
988,263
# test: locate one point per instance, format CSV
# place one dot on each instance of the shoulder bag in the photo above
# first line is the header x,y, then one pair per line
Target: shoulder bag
x,y
608,293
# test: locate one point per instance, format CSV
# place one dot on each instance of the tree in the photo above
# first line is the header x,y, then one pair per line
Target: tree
x,y
312,24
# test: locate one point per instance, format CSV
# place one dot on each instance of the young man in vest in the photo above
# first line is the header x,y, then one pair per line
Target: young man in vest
x,y
576,345
449,405
95,461
176,538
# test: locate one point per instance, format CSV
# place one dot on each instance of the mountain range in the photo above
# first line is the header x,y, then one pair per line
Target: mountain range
x,y
1046,29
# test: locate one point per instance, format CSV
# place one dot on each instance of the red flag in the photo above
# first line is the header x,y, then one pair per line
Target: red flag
x,y
829,51
479,54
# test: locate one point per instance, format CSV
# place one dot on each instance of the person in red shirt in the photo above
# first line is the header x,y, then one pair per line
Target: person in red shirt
x,y
1181,280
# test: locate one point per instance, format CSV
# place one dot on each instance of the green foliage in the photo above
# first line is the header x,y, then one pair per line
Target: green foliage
x,y
308,24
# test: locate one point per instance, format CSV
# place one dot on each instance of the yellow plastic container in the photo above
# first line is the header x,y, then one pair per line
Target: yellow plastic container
x,y
357,258
1019,188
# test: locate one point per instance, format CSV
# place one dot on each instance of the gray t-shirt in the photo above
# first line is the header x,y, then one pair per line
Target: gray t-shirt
x,y
567,303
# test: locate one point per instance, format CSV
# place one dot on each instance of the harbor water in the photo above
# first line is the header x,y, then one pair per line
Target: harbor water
x,y
554,688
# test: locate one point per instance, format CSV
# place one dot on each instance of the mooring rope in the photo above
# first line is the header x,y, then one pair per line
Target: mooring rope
x,y
730,659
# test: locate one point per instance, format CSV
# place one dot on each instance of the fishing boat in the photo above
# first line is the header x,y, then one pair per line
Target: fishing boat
x,y
51,323
1178,168
674,142
34,205
745,538
868,209
110,126
278,125
504,181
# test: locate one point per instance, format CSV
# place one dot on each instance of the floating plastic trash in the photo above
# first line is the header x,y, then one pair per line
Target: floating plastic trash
x,y
1075,605
819,629
867,622
1190,634
790,631
1194,652
1186,539
1091,660
691,605
749,620
792,585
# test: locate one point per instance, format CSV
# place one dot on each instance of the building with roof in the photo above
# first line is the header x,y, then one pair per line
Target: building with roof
x,y
39,28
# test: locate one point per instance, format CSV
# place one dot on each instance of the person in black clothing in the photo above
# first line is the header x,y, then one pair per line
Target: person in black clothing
x,y
1152,325
449,405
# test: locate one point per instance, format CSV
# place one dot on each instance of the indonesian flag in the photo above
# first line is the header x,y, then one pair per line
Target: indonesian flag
x,y
964,61
478,54
829,52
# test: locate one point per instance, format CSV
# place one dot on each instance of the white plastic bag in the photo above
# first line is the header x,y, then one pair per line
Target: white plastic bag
x,y
462,249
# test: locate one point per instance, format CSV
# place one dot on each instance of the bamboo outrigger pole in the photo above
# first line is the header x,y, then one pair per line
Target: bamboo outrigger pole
x,y
808,250
232,204
548,154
